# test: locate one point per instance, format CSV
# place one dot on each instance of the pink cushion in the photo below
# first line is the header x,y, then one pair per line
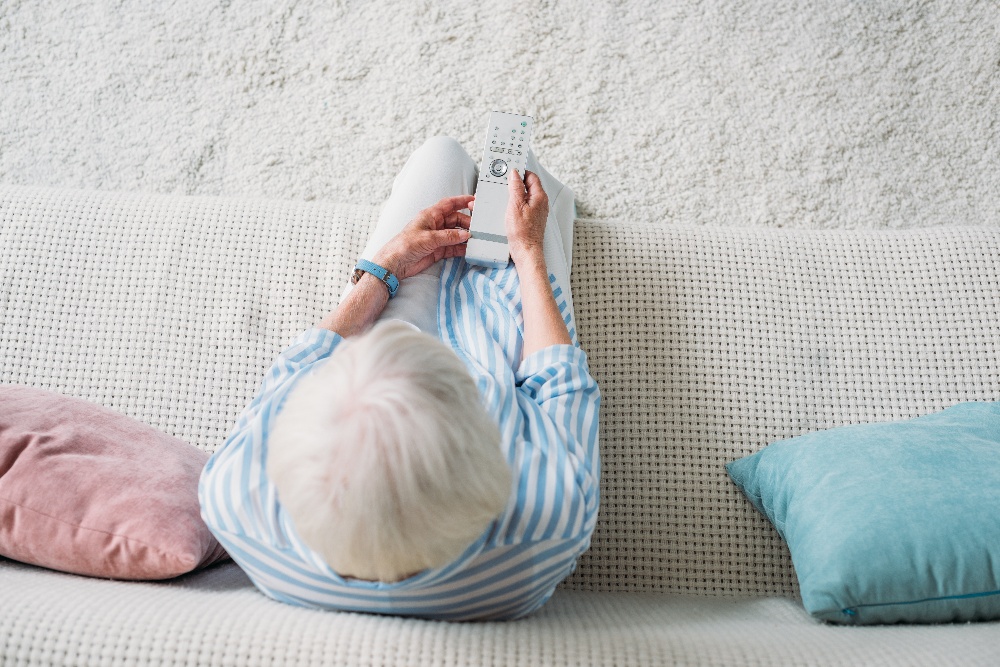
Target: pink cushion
x,y
87,490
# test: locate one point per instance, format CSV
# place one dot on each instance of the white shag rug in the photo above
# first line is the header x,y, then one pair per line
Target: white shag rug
x,y
794,113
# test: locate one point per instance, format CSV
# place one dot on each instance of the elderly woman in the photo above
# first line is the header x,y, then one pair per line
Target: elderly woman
x,y
432,454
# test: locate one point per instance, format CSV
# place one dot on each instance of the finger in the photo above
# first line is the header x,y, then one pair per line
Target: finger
x,y
458,219
451,204
432,216
449,243
515,186
446,251
450,237
533,184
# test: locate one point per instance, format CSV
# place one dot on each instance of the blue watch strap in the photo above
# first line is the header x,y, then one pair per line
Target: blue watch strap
x,y
383,274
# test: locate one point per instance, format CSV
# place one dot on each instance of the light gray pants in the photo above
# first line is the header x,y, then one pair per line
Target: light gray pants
x,y
441,168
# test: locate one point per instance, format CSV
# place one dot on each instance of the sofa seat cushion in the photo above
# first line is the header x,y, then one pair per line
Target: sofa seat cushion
x,y
216,616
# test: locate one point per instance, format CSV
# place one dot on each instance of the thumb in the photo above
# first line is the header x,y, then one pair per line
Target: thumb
x,y
446,237
515,186
533,186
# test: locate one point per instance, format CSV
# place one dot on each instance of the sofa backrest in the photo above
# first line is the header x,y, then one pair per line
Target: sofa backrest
x,y
711,343
707,343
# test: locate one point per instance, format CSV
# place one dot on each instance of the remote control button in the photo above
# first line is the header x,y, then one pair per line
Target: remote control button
x,y
498,167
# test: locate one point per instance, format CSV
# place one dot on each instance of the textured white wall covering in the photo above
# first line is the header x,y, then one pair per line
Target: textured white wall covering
x,y
779,113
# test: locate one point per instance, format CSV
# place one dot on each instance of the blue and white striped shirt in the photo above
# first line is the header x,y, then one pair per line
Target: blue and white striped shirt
x,y
547,410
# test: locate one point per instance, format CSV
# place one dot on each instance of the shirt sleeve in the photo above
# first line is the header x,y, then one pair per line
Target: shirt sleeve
x,y
557,380
310,346
236,498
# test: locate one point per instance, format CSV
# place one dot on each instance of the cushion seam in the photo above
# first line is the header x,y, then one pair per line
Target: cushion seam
x,y
944,598
93,530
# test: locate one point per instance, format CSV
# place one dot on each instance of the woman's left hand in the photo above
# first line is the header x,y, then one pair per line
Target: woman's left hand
x,y
436,232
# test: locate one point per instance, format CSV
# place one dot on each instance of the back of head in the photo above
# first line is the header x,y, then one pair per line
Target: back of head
x,y
384,458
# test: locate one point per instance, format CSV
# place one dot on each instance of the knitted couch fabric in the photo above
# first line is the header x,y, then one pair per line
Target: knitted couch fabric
x,y
708,344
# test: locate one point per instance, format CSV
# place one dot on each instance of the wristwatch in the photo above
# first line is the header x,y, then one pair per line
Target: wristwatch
x,y
383,274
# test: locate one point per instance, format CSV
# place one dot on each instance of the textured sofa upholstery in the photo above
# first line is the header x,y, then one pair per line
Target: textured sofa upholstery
x,y
707,343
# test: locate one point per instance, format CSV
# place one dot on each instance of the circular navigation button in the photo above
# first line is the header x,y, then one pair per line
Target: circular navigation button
x,y
498,167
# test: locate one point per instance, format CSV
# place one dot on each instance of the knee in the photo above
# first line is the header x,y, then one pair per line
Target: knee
x,y
442,147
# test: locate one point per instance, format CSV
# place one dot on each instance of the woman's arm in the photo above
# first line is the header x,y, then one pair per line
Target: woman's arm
x,y
527,210
543,323
437,232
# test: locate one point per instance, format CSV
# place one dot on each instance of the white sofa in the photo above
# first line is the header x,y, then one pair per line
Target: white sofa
x,y
708,344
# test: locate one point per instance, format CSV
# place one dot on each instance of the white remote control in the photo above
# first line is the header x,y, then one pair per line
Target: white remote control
x,y
506,148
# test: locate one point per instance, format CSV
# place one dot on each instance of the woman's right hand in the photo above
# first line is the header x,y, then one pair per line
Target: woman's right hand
x,y
527,210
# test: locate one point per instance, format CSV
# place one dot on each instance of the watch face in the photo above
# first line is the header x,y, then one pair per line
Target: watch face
x,y
356,276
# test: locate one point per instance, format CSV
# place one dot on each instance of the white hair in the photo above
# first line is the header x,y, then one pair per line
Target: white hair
x,y
385,459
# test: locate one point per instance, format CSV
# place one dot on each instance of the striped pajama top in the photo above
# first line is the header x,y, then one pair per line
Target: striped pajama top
x,y
547,410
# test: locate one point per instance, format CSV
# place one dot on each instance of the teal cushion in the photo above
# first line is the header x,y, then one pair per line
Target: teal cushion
x,y
890,522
